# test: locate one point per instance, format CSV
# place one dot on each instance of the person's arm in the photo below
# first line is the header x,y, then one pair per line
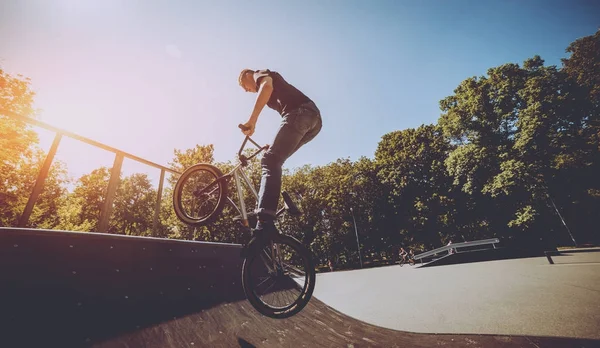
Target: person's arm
x,y
264,93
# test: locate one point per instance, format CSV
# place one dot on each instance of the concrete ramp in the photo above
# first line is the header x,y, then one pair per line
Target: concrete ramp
x,y
69,289
73,288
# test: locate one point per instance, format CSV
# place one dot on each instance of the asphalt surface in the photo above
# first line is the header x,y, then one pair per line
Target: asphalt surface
x,y
510,297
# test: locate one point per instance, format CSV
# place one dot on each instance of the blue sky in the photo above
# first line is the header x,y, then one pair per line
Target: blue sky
x,y
151,76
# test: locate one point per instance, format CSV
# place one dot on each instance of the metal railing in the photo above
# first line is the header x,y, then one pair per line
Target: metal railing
x,y
457,246
113,182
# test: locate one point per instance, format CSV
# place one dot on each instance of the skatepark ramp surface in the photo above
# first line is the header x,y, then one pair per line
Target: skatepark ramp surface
x,y
78,289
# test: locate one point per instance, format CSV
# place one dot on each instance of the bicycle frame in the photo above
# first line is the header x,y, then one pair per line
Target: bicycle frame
x,y
239,175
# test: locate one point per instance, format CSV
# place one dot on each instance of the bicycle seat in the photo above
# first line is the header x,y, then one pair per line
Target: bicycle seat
x,y
291,207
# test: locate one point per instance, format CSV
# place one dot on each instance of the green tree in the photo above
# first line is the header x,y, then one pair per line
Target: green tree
x,y
583,71
84,205
411,167
325,194
519,142
17,141
583,66
18,186
70,213
134,204
21,159
484,119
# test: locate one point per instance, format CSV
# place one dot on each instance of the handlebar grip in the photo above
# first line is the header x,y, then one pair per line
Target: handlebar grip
x,y
242,127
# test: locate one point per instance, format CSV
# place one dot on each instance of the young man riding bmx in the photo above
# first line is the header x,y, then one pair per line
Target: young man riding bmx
x,y
300,123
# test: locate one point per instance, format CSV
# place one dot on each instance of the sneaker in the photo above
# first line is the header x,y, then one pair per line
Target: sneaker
x,y
260,236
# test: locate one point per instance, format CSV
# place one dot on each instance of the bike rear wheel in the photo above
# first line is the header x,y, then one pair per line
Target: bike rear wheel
x,y
198,197
284,261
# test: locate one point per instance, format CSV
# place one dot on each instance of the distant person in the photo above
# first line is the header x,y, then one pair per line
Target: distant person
x,y
330,264
408,258
403,254
451,250
300,123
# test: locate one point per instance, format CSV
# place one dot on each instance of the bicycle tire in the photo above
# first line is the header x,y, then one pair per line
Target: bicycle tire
x,y
307,291
178,190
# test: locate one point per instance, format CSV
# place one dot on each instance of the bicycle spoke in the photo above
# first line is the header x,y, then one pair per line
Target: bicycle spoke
x,y
261,283
270,286
266,258
199,194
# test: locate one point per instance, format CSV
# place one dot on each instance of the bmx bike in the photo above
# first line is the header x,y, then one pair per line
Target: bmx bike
x,y
199,197
408,260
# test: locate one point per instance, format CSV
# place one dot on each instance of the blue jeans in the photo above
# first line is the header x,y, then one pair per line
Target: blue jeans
x,y
298,127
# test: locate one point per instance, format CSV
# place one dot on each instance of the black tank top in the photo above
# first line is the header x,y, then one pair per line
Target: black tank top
x,y
285,97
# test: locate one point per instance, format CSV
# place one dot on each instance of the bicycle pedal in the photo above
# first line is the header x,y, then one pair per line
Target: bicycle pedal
x,y
292,208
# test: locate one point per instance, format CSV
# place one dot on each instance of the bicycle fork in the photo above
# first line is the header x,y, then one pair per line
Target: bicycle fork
x,y
272,262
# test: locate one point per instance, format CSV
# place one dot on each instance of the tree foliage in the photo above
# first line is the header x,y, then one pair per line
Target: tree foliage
x,y
21,159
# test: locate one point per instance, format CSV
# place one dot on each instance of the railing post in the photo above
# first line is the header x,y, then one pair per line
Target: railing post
x,y
113,183
39,183
549,257
158,201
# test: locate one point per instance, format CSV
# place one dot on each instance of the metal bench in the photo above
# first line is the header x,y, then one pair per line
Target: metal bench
x,y
551,253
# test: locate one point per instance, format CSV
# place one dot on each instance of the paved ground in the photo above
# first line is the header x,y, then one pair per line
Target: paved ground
x,y
509,297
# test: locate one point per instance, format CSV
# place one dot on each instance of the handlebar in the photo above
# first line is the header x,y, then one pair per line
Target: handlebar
x,y
243,127
243,158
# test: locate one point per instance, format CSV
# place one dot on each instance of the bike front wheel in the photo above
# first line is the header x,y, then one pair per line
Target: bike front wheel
x,y
199,194
279,278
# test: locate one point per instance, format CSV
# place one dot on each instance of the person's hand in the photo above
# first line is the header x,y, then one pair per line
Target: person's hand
x,y
248,128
